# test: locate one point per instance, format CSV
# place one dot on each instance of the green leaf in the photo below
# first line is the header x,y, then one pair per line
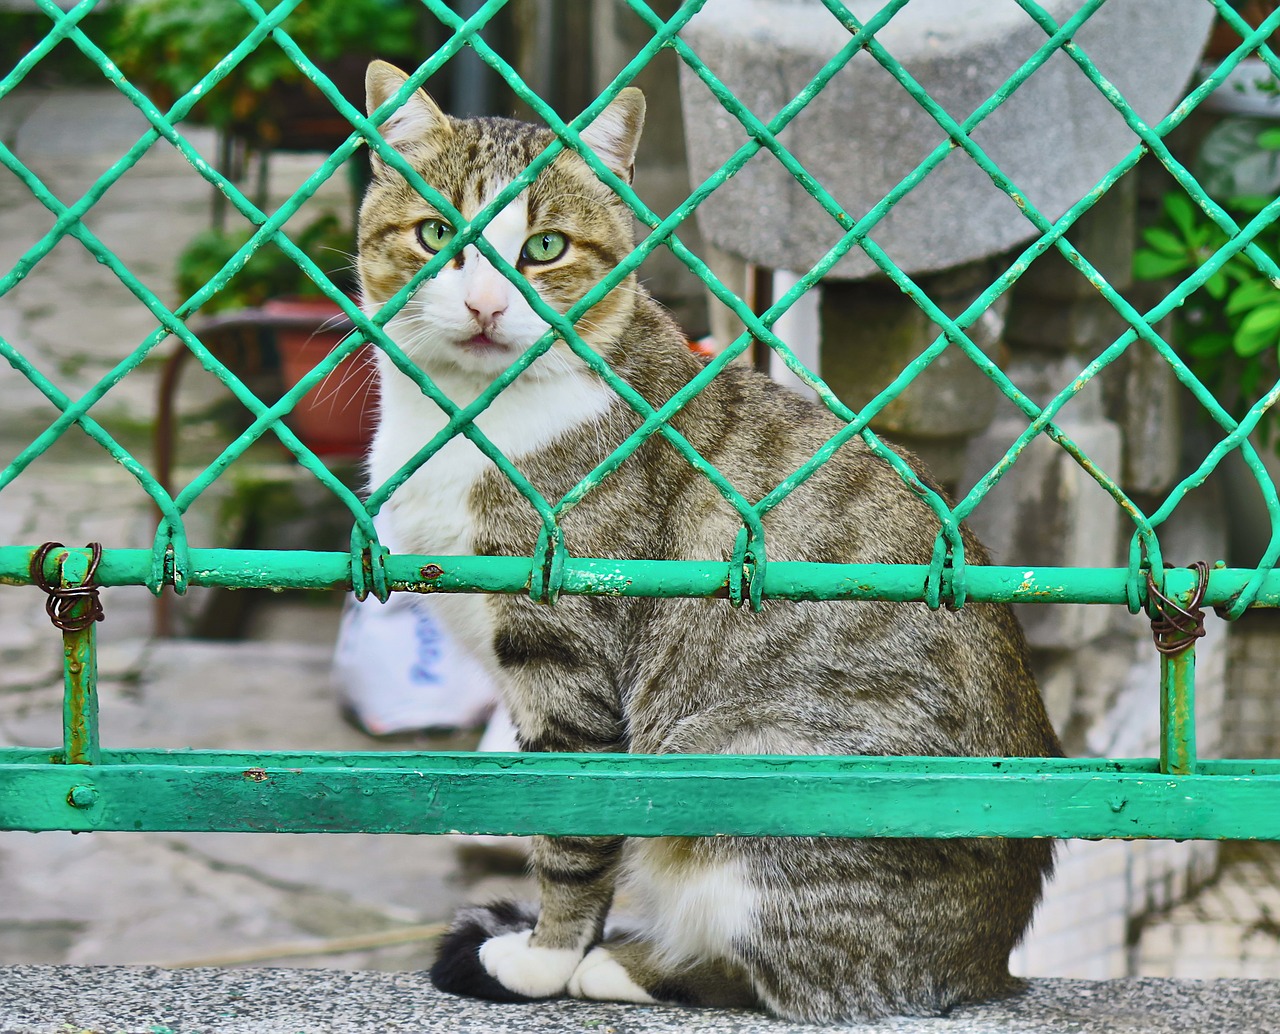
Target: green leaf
x,y
1258,331
1149,265
1203,234
1249,379
1250,295
1182,211
1249,204
1164,241
1239,270
1216,286
1208,345
1269,139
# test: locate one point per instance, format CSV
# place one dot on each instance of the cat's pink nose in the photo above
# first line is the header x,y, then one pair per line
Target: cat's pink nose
x,y
486,308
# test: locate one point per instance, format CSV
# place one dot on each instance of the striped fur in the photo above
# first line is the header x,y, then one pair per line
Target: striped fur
x,y
806,929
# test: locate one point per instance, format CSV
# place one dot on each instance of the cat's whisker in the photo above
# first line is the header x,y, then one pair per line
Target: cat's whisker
x,y
332,322
363,391
335,380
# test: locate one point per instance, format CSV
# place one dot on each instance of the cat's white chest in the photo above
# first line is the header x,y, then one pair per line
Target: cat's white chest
x,y
431,512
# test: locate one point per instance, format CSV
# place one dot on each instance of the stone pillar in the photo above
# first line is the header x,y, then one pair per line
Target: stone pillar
x,y
861,134
871,331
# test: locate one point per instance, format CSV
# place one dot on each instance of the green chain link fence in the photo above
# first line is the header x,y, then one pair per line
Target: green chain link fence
x,y
84,785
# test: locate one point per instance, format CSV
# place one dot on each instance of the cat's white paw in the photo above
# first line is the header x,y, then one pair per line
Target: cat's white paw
x,y
528,970
601,977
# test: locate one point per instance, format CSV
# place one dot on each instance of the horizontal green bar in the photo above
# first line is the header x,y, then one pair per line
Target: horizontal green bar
x,y
298,569
634,796
617,763
784,579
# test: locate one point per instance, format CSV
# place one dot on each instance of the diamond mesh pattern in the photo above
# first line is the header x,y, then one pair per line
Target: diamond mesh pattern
x,y
548,571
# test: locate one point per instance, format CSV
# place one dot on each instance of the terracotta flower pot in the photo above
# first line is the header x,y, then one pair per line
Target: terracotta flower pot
x,y
337,417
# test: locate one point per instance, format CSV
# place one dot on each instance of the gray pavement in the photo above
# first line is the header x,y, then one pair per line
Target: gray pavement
x,y
182,899
328,902
49,1000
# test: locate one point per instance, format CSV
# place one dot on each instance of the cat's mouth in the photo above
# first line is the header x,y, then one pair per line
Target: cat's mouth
x,y
482,343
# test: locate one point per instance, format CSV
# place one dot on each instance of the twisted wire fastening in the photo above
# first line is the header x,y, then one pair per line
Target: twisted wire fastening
x,y
60,605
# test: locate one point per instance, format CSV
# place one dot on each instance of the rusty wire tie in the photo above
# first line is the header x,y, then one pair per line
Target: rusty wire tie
x,y
61,598
1177,627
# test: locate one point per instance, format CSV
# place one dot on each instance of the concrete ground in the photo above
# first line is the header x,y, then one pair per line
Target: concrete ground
x,y
359,901
63,1000
349,902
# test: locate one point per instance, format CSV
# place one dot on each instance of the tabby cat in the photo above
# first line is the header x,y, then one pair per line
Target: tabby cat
x,y
809,929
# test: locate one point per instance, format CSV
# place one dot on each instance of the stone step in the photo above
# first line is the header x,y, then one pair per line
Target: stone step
x,y
147,1000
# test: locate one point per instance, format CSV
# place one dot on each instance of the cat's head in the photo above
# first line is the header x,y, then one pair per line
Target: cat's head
x,y
565,232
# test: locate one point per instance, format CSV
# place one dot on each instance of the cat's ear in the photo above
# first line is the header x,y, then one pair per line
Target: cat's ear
x,y
415,122
615,133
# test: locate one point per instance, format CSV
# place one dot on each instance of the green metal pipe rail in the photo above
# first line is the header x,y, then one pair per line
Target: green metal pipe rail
x,y
82,785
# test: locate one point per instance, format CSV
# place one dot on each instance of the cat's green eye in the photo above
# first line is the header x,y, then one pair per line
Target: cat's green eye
x,y
435,234
544,247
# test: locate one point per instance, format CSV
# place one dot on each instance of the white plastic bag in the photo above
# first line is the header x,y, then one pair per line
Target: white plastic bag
x,y
399,671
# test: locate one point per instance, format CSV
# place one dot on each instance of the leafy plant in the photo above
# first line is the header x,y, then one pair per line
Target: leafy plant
x,y
269,273
24,26
170,44
1229,330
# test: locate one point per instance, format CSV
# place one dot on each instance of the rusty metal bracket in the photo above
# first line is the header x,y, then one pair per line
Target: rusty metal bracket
x,y
62,600
1176,628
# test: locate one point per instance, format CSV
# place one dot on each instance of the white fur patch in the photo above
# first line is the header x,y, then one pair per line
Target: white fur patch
x,y
690,911
601,977
527,970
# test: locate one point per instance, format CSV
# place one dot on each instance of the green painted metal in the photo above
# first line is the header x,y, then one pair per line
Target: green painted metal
x,y
1178,712
80,673
85,786
685,795
793,580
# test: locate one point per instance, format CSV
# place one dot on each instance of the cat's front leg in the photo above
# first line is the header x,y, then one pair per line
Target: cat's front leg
x,y
563,697
576,876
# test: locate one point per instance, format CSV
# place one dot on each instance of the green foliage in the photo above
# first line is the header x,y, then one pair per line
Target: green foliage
x,y
269,273
23,27
170,44
1229,330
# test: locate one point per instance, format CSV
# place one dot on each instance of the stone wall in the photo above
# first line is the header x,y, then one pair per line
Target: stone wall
x,y
1252,713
